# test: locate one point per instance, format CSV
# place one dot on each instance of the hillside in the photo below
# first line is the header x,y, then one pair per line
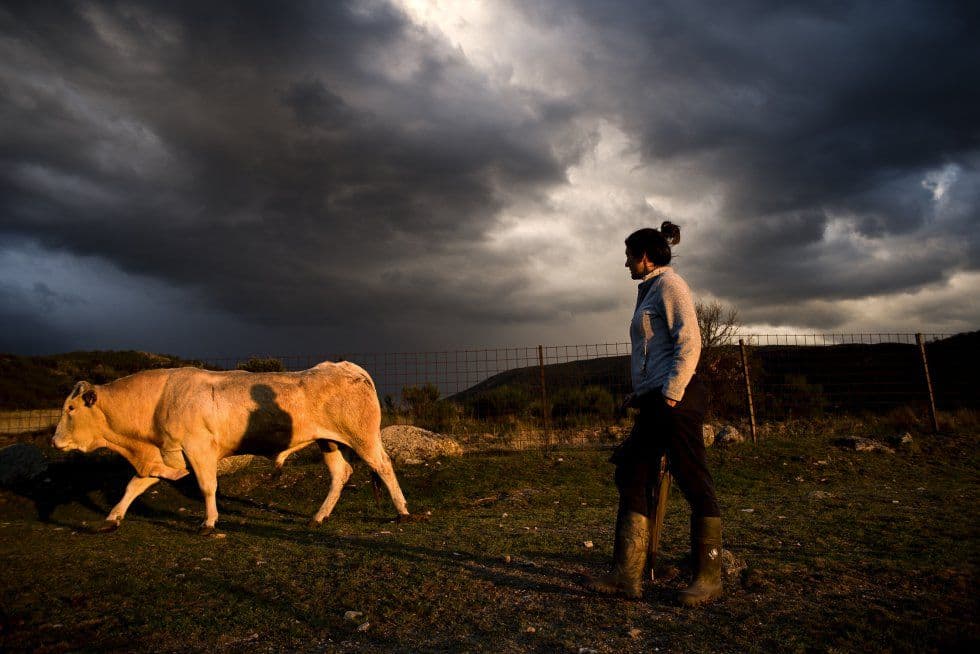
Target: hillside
x,y
42,382
786,378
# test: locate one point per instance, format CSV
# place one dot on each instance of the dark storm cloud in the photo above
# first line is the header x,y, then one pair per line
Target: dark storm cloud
x,y
261,153
798,112
331,167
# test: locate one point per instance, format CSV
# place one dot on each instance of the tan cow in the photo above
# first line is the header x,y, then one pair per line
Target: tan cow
x,y
153,416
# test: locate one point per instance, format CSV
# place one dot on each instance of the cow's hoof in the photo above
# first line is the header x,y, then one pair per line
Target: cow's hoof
x,y
314,523
106,527
206,531
411,517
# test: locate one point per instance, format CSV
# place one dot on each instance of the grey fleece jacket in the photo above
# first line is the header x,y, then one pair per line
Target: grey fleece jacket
x,y
664,334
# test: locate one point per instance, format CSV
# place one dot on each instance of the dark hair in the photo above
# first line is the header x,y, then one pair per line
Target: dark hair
x,y
653,243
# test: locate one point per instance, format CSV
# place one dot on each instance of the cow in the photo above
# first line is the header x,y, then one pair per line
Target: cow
x,y
158,418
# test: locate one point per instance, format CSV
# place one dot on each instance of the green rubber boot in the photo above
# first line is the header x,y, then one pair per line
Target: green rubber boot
x,y
629,557
706,561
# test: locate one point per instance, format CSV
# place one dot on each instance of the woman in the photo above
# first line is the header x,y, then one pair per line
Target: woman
x,y
666,344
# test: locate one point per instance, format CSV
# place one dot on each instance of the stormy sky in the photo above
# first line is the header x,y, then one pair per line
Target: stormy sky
x,y
211,178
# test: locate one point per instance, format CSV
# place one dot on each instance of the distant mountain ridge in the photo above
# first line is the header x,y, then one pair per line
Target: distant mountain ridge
x,y
43,382
840,376
848,376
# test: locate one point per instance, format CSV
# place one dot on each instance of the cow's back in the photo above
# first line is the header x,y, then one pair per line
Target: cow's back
x,y
266,413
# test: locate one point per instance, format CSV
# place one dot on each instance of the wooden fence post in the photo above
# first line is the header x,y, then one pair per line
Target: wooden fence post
x,y
544,395
748,386
925,369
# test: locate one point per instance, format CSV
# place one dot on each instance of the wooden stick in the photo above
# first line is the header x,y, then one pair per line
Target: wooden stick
x,y
657,524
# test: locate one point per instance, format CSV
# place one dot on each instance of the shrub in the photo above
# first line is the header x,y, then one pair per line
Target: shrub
x,y
501,402
590,401
260,364
427,410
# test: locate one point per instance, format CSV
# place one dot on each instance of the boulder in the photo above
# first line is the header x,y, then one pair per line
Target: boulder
x,y
21,462
708,434
900,440
861,444
232,464
732,565
728,435
410,445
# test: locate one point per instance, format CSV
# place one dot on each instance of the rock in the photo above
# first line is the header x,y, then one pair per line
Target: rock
x,y
728,435
588,544
232,464
353,616
708,434
410,445
635,633
21,462
860,444
732,565
364,627
900,439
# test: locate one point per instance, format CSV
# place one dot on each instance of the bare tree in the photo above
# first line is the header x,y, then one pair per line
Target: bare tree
x,y
719,323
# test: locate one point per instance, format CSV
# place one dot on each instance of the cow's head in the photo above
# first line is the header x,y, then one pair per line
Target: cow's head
x,y
82,425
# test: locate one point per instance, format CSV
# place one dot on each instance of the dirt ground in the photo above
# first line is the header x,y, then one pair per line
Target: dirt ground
x,y
843,551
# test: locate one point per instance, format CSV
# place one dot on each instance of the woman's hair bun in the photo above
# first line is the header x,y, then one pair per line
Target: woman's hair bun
x,y
671,232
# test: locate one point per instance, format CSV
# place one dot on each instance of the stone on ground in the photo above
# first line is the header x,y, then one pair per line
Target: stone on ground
x,y
708,434
731,564
232,464
728,435
409,445
861,444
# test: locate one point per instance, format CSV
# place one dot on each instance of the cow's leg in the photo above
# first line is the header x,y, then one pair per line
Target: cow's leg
x,y
135,488
376,457
340,472
205,466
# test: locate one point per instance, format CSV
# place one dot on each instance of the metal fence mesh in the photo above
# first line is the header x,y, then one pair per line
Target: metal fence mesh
x,y
567,387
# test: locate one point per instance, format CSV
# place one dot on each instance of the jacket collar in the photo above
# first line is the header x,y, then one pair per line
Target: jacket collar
x,y
659,270
644,287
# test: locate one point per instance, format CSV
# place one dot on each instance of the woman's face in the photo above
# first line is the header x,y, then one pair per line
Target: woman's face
x,y
638,267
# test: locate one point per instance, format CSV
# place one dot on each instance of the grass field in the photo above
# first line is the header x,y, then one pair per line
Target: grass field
x,y
846,551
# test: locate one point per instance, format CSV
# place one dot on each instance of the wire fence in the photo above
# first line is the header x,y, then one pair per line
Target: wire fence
x,y
561,392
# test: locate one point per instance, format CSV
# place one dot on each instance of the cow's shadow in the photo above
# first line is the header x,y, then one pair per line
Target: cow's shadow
x,y
83,479
93,482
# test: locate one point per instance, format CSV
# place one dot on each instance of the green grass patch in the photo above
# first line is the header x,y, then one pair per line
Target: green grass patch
x,y
846,551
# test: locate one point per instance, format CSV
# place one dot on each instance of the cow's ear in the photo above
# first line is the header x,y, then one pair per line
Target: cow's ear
x,y
89,397
80,388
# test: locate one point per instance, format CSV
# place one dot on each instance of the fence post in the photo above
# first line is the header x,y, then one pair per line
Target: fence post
x,y
748,386
544,395
925,368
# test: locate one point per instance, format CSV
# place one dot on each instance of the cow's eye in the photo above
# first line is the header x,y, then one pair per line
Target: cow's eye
x,y
71,407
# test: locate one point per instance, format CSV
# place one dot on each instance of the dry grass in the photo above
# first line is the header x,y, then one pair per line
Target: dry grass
x,y
846,551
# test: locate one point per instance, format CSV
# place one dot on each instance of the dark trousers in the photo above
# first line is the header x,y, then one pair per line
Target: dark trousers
x,y
676,432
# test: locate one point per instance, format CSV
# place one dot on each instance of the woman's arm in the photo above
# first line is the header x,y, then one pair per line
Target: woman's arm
x,y
682,323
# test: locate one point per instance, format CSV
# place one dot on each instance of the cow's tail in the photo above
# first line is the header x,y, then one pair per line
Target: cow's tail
x,y
376,487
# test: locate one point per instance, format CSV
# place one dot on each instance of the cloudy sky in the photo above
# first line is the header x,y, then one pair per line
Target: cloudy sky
x,y
208,178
